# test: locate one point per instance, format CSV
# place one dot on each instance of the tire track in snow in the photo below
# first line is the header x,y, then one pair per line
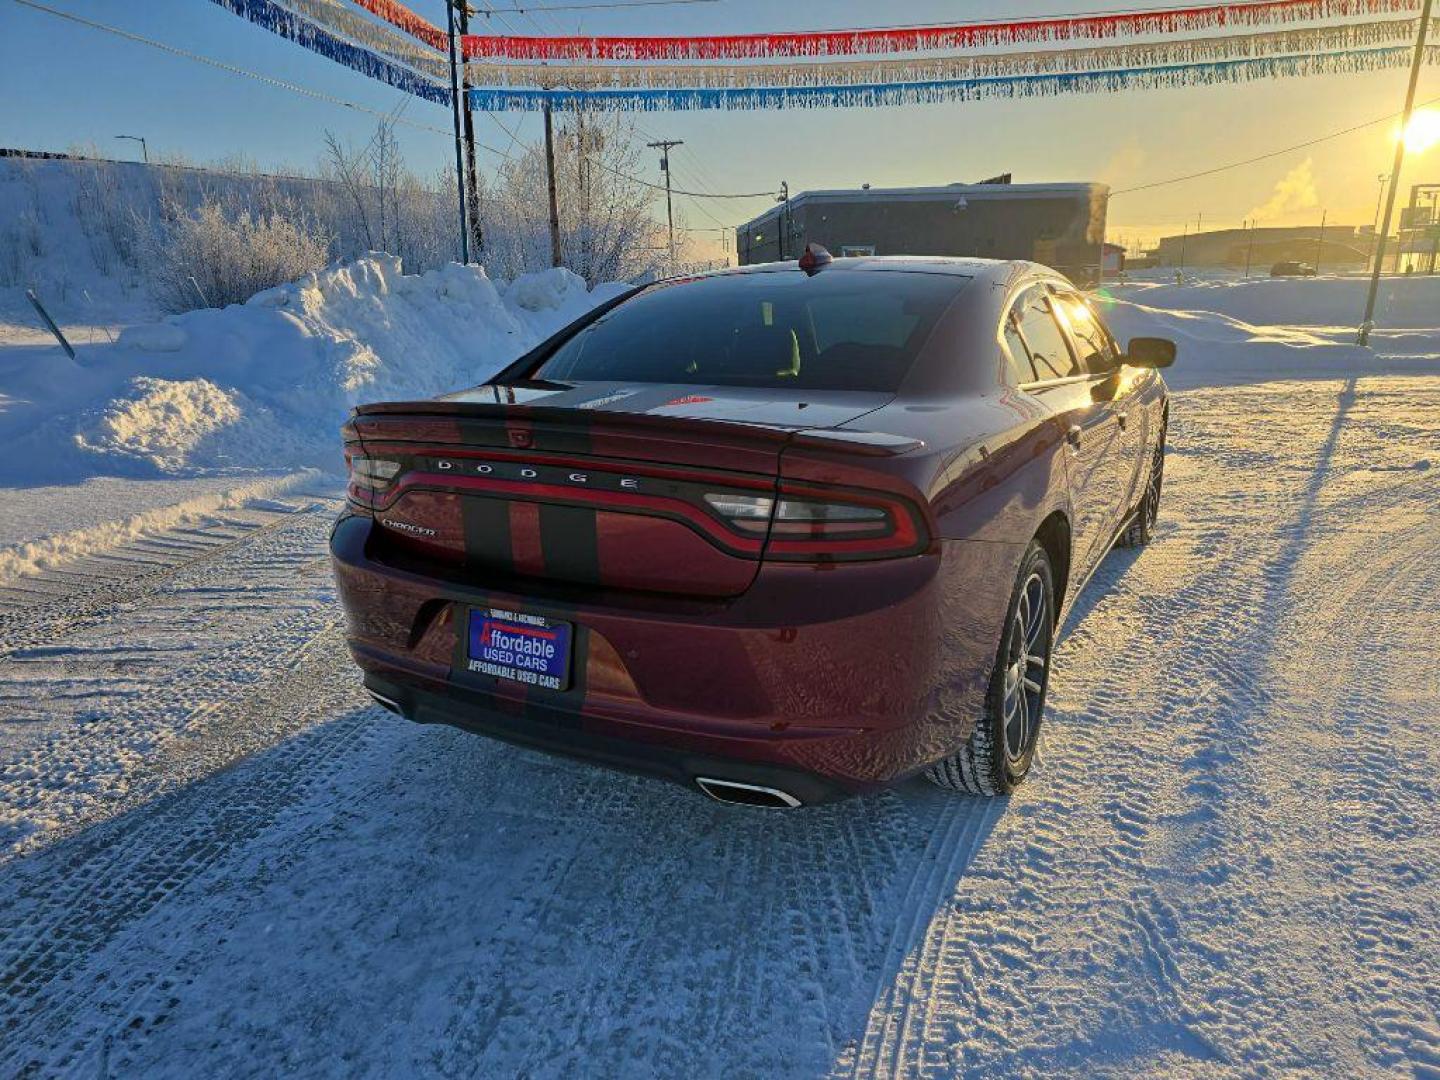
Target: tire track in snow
x,y
1381,792
116,873
212,637
84,598
1181,642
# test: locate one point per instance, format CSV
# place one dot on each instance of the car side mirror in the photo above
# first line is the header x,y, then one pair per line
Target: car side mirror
x,y
1150,352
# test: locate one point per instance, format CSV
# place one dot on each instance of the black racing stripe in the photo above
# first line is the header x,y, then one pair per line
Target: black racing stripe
x,y
487,533
570,437
569,543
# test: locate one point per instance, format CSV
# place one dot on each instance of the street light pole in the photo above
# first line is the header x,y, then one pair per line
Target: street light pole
x,y
144,148
1368,322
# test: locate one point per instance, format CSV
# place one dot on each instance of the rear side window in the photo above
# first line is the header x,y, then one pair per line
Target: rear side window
x,y
1050,353
1097,351
838,330
1018,356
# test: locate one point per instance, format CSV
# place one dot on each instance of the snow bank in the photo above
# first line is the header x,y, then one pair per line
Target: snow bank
x,y
1231,330
1338,301
17,560
265,384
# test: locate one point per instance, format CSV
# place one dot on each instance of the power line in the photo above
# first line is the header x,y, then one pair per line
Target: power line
x,y
523,10
1264,157
231,68
331,99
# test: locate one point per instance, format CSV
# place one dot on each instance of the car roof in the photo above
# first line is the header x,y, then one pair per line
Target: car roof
x,y
927,264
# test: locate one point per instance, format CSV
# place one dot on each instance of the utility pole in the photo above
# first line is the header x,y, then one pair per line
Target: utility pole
x,y
455,110
784,201
1379,198
555,256
1320,242
1368,322
1184,235
1434,230
582,159
472,179
664,146
1249,246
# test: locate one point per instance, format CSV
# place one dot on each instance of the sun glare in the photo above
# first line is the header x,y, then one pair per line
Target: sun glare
x,y
1423,131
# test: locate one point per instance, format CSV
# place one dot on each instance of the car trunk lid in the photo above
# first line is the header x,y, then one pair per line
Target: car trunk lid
x,y
596,485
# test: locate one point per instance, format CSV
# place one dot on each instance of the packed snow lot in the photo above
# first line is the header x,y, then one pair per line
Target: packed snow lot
x,y
218,859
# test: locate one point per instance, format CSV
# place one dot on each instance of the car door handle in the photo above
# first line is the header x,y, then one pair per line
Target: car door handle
x,y
1073,436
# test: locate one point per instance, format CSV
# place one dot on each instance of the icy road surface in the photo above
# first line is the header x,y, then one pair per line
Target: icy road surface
x,y
219,860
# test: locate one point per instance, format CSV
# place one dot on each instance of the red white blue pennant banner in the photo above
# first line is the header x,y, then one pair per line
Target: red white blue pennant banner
x,y
1094,58
732,98
949,38
334,29
954,37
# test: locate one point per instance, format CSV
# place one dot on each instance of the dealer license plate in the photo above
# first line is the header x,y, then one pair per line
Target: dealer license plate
x,y
523,648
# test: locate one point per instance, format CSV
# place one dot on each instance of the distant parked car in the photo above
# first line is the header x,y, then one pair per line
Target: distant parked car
x,y
1291,268
783,533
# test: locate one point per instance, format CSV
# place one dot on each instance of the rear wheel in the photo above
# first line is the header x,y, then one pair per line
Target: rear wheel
x,y
1141,529
1002,747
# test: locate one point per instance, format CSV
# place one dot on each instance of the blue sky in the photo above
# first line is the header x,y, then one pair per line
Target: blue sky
x,y
64,84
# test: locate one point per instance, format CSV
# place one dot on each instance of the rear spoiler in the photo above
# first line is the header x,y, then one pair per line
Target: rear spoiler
x,y
392,421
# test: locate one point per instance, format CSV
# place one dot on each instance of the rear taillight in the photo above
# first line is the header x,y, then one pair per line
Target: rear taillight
x,y
370,476
749,514
805,525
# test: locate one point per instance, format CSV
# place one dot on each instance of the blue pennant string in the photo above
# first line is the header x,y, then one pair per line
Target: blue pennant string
x,y
303,32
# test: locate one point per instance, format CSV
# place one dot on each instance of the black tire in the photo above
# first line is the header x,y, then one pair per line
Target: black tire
x,y
1141,529
997,756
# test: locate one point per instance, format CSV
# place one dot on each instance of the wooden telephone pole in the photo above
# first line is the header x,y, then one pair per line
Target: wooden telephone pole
x,y
556,258
472,180
664,146
455,110
1368,322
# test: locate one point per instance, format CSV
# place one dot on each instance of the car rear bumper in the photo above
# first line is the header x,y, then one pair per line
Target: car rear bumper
x,y
818,681
565,734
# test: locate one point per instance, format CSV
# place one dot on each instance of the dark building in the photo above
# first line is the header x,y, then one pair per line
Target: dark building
x,y
1060,225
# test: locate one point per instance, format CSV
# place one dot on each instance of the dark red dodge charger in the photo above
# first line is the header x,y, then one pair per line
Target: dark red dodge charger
x,y
786,533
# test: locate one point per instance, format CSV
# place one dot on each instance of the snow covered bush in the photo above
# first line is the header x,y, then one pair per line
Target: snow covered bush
x,y
213,256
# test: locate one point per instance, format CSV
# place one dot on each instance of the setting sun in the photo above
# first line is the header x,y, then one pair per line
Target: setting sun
x,y
1423,131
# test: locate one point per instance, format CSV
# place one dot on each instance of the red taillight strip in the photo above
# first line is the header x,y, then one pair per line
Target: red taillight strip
x,y
904,539
620,501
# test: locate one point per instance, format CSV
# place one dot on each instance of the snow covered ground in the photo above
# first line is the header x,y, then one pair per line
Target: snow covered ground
x,y
217,859
265,384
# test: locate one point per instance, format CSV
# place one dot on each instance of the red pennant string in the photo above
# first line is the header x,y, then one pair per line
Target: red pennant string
x,y
911,39
397,14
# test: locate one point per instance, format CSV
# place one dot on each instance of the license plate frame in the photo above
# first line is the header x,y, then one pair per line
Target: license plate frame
x,y
526,649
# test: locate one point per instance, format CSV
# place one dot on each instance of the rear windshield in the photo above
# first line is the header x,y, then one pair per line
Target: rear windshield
x,y
838,330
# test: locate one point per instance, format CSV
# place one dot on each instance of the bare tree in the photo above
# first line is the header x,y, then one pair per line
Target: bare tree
x,y
608,227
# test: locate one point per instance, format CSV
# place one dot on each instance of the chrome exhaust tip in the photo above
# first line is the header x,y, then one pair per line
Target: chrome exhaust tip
x,y
389,704
738,794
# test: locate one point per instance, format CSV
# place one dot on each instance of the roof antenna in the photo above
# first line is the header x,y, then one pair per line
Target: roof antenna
x,y
814,258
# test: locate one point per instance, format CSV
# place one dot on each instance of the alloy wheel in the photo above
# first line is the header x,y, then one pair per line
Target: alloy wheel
x,y
1027,668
